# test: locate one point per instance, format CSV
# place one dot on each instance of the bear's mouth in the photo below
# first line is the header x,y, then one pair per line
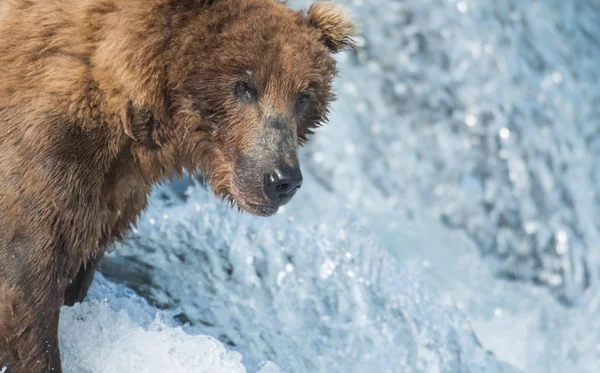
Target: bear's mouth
x,y
259,210
250,205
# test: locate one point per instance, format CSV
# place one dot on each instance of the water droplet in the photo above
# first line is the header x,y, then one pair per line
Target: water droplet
x,y
504,133
561,242
280,276
531,227
471,120
561,237
554,280
557,77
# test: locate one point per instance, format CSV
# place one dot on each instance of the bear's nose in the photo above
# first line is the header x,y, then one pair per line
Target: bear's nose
x,y
282,183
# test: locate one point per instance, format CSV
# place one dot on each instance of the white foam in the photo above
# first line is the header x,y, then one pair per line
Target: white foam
x,y
123,336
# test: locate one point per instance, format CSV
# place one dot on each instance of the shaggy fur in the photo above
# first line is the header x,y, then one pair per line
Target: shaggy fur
x,y
100,99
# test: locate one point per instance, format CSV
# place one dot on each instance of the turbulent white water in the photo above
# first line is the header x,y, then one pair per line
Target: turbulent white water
x,y
312,299
462,153
485,113
126,335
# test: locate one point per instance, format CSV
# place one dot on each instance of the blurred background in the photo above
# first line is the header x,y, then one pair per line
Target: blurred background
x,y
449,219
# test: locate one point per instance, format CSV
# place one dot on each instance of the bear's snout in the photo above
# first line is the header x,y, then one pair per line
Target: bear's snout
x,y
267,174
282,183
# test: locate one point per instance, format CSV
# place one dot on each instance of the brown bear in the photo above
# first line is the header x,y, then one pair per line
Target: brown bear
x,y
101,99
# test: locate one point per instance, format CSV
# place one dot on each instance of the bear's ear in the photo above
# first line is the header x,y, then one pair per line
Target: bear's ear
x,y
335,23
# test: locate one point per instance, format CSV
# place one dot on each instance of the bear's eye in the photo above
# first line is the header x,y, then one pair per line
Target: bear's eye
x,y
302,100
243,90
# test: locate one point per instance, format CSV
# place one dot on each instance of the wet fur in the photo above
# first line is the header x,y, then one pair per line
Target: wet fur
x,y
101,99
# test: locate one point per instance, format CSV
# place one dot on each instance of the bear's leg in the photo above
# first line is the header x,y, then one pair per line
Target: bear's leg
x,y
31,294
79,286
29,338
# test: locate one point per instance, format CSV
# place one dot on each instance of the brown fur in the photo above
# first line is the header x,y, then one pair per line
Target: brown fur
x,y
100,99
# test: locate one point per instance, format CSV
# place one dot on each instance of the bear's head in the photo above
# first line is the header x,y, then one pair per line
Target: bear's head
x,y
248,81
